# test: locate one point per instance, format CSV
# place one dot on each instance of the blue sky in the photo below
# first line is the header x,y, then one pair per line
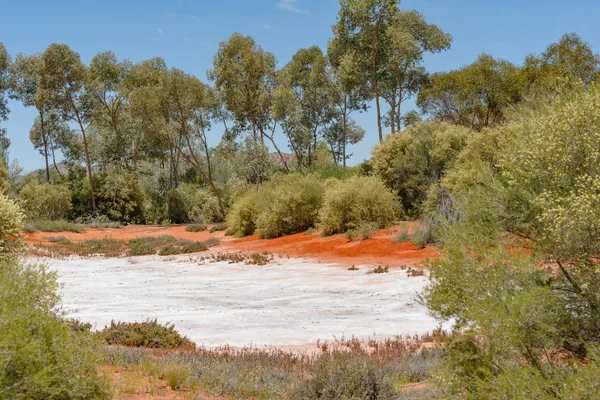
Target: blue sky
x,y
186,34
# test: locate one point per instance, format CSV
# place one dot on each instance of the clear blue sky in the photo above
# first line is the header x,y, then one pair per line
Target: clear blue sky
x,y
186,34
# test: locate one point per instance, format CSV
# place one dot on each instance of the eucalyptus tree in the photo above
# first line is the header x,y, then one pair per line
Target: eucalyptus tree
x,y
108,94
26,81
474,96
176,110
362,30
244,75
409,38
349,92
52,135
339,134
5,63
308,77
147,74
570,57
63,77
287,110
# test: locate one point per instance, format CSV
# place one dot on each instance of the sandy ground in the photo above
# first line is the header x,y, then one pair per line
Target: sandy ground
x,y
291,302
380,249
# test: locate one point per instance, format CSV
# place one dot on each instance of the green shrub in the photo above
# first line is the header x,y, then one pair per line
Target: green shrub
x,y
120,197
194,247
45,201
144,334
243,214
195,228
411,162
288,204
293,206
11,218
42,357
4,184
357,202
218,227
347,376
192,203
140,248
53,226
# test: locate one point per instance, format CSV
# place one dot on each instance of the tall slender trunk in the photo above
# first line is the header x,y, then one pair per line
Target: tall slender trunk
x,y
344,125
87,153
398,112
376,84
45,139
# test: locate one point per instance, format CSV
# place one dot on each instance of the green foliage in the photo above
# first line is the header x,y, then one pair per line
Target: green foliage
x,y
53,226
345,376
411,162
356,202
4,184
43,358
144,334
45,201
293,204
11,218
288,204
120,196
195,228
218,227
192,203
519,272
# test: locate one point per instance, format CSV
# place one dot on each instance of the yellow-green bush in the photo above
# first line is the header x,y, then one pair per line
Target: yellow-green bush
x,y
193,203
288,204
3,179
357,202
45,201
293,206
410,162
11,218
120,196
42,357
244,212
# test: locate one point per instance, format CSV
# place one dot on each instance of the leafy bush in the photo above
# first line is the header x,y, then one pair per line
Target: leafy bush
x,y
45,201
195,228
293,206
171,250
348,376
218,227
288,204
11,218
42,357
192,203
4,184
357,202
413,161
53,226
243,214
120,197
144,334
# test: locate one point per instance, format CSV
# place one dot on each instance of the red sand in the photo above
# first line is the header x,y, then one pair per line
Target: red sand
x,y
380,249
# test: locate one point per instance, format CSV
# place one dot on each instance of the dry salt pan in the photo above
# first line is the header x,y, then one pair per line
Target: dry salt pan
x,y
290,302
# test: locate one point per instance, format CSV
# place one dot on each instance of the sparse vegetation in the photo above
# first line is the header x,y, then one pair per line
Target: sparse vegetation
x,y
380,270
148,334
195,228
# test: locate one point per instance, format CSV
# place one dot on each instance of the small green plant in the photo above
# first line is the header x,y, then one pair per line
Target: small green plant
x,y
144,334
310,231
218,227
353,268
380,270
367,230
57,239
137,248
415,272
260,259
176,375
230,232
351,235
53,226
195,228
